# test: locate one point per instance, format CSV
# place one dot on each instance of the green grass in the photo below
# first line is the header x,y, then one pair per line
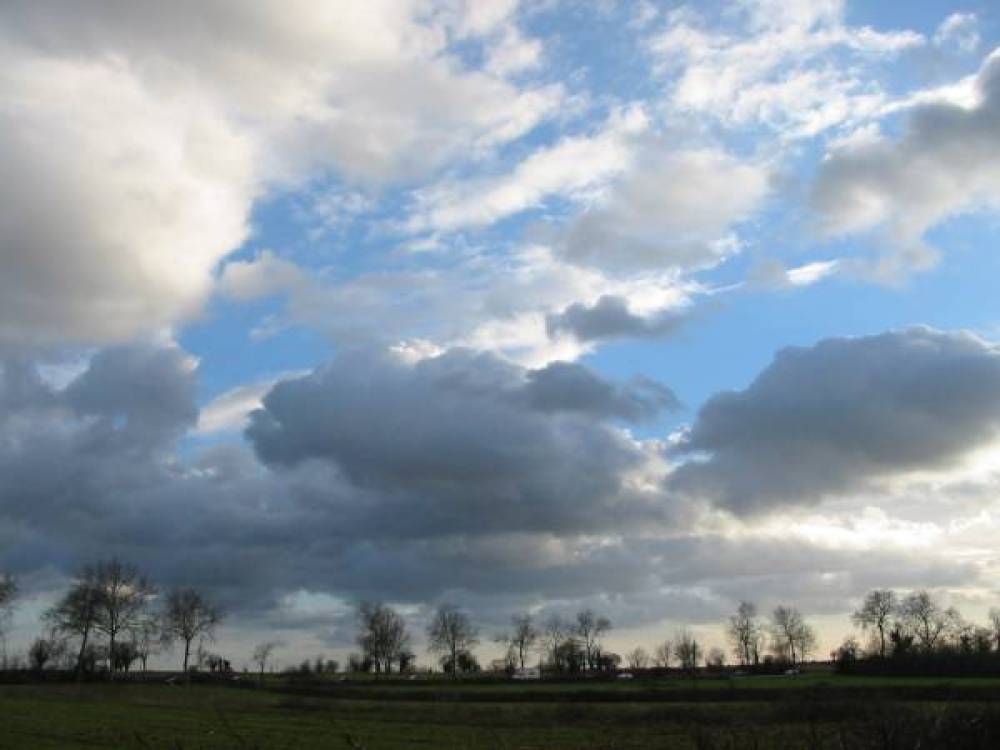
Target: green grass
x,y
490,715
154,716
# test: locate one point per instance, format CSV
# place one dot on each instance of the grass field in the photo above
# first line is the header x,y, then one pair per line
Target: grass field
x,y
804,712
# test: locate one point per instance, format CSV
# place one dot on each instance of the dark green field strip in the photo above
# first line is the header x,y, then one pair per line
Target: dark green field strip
x,y
170,718
182,718
945,691
120,721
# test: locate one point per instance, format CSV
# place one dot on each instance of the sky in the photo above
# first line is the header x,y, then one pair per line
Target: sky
x,y
647,307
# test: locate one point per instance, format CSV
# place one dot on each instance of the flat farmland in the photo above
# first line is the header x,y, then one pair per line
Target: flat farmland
x,y
803,712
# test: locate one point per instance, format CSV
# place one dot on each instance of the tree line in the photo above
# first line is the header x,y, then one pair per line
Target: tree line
x,y
917,633
112,616
574,645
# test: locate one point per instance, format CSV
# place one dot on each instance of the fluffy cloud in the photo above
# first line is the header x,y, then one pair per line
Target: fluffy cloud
x,y
673,211
835,417
567,387
464,441
385,474
147,392
149,130
459,476
945,163
66,454
116,204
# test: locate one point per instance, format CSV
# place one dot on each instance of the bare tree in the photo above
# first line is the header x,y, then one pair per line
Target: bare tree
x,y
522,637
382,635
46,650
8,591
262,655
75,614
995,625
589,628
792,637
554,632
124,655
188,615
123,595
637,658
687,650
982,640
745,632
663,654
876,613
924,618
451,631
147,636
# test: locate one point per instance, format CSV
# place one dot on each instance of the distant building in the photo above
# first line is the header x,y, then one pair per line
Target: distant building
x,y
527,673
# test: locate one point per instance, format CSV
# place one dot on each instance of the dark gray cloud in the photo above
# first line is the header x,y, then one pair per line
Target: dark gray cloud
x,y
460,477
381,478
65,451
610,318
466,441
830,418
569,387
149,390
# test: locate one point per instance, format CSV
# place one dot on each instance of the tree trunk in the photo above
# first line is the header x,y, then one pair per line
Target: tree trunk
x,y
187,652
79,657
111,657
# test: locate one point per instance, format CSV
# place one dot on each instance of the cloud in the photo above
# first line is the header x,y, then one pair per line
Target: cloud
x,y
772,274
145,392
398,471
142,218
513,54
264,275
959,30
229,411
502,302
572,168
67,453
465,442
943,164
775,67
610,318
673,211
839,416
569,387
458,477
151,130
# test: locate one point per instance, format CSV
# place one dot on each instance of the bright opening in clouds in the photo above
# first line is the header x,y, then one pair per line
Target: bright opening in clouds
x,y
645,307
